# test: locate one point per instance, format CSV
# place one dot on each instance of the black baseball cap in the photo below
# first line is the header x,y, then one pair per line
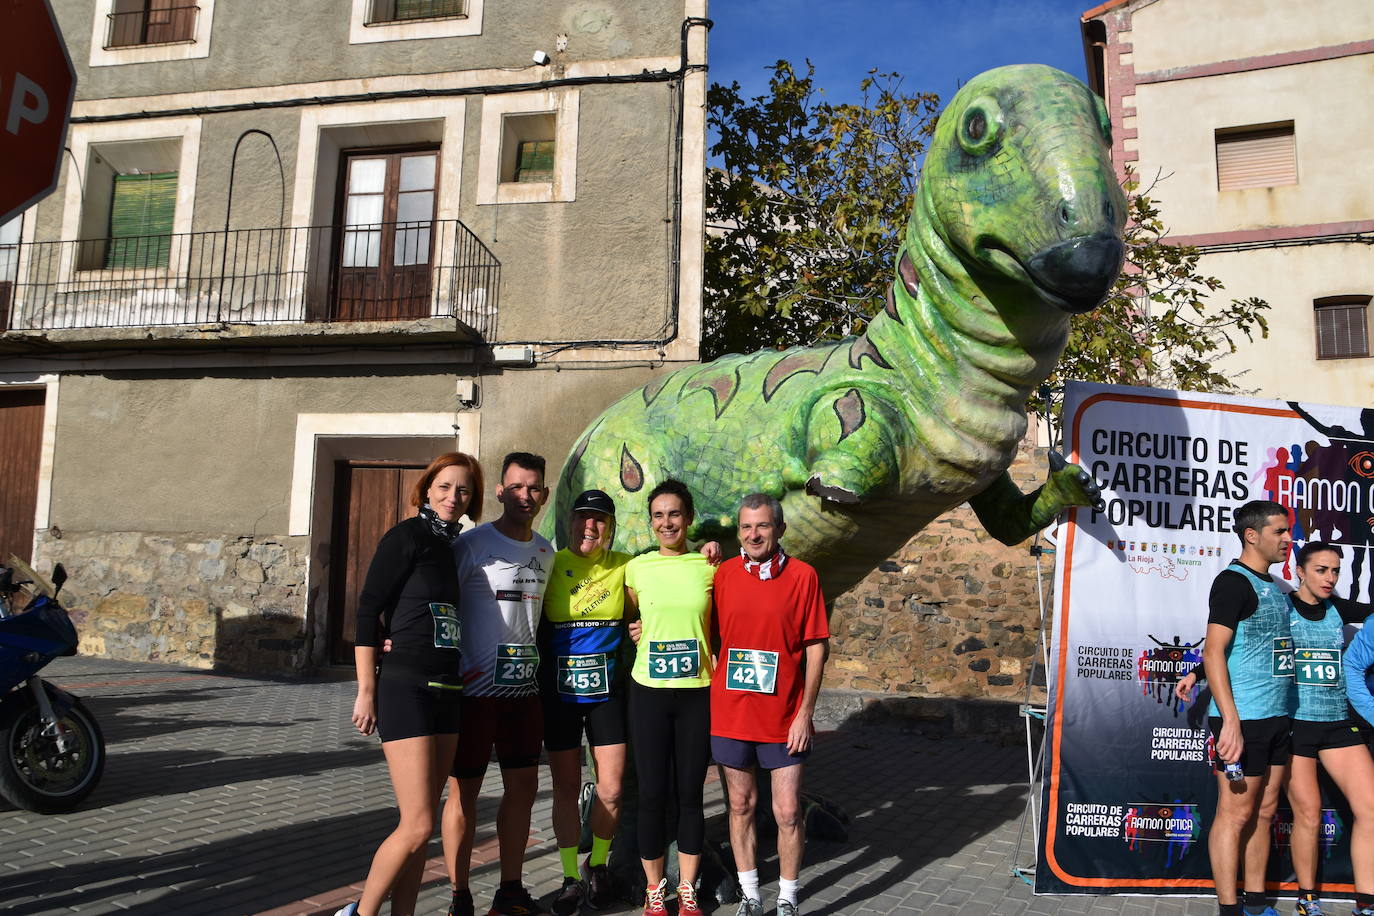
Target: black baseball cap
x,y
596,501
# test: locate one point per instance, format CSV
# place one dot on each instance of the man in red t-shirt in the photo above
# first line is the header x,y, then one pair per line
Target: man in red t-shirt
x,y
773,640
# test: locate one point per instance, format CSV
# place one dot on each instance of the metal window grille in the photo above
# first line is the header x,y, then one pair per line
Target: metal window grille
x,y
1256,158
150,22
1342,327
409,10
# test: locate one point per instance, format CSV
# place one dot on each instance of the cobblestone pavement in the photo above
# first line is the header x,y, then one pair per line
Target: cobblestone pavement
x,y
239,795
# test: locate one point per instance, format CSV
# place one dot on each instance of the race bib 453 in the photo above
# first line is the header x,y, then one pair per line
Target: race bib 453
x,y
583,675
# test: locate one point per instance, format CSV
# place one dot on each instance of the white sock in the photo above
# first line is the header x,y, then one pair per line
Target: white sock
x,y
749,883
787,890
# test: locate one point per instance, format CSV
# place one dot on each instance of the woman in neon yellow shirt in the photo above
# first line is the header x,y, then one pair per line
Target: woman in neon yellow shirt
x,y
670,693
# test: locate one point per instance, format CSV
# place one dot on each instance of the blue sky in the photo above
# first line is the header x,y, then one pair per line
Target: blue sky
x,y
934,44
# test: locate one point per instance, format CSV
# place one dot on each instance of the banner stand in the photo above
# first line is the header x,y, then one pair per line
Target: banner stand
x,y
1035,757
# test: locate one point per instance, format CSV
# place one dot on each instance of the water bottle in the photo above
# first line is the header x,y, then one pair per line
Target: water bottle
x,y
1233,772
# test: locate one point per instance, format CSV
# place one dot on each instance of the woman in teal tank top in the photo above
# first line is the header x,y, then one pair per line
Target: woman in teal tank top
x,y
1323,729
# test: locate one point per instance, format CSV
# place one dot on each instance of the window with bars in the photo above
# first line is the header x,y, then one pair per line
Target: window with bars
x,y
1342,327
150,22
1262,156
382,11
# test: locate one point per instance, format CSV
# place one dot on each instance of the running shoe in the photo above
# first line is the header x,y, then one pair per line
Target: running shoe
x,y
350,910
461,903
653,899
788,909
687,900
569,898
600,889
1307,908
515,902
1363,911
748,906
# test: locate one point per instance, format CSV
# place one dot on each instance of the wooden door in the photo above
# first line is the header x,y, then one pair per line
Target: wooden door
x,y
21,441
387,240
369,497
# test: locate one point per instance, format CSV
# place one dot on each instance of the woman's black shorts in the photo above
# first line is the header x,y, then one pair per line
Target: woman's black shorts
x,y
412,703
1311,737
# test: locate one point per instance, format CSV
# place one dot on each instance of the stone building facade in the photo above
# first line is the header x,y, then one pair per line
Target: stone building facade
x,y
297,250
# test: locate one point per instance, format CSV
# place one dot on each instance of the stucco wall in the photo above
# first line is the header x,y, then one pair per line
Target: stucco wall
x,y
203,452
1178,120
307,40
1285,364
1171,33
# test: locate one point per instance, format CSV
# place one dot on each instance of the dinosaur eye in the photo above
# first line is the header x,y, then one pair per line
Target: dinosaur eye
x,y
980,126
977,125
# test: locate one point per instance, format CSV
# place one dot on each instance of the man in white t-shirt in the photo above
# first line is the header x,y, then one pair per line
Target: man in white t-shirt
x,y
503,567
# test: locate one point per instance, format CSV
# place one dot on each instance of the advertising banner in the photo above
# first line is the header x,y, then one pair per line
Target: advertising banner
x,y
1128,793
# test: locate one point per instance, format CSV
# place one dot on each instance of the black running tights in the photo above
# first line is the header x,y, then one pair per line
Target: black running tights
x,y
670,733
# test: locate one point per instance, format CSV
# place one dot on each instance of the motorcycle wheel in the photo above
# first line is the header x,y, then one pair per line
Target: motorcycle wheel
x,y
34,773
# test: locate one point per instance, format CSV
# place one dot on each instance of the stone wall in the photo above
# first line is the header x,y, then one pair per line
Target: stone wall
x,y
953,614
203,601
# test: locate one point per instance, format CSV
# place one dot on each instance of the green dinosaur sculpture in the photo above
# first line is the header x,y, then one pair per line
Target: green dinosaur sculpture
x,y
1016,224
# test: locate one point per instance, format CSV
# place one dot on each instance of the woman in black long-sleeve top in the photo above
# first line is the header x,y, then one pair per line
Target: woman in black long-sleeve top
x,y
411,597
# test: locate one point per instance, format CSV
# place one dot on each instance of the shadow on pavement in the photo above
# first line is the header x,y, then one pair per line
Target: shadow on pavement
x,y
911,801
154,774
231,876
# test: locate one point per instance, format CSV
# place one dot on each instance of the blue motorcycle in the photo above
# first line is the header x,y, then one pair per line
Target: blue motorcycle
x,y
51,749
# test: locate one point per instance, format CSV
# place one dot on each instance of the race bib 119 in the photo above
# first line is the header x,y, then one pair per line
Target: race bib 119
x,y
1318,667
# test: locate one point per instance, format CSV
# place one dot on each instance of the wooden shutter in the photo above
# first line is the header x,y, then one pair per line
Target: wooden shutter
x,y
1342,327
21,429
141,220
534,160
1259,158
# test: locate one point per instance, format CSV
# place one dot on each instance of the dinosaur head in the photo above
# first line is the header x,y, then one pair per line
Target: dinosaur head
x,y
1019,184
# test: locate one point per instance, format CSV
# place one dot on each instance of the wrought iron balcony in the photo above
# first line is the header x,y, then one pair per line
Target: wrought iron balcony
x,y
161,26
377,272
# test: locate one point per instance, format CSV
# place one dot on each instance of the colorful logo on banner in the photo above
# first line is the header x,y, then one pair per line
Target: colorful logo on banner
x,y
1160,667
1329,834
1176,825
1327,487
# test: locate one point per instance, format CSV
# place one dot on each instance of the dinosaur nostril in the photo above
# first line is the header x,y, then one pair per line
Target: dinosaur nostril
x,y
1065,214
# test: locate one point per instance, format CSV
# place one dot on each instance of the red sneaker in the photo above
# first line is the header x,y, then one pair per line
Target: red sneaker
x,y
687,900
653,899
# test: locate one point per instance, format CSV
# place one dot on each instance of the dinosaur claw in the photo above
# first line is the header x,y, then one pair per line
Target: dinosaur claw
x,y
1099,505
1057,461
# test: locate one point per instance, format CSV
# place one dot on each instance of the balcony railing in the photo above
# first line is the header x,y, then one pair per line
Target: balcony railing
x,y
163,26
382,272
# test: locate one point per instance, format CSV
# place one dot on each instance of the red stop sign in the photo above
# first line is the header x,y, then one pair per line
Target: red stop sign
x,y
36,87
